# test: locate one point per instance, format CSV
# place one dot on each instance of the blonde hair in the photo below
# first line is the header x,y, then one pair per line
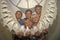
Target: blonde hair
x,y
34,15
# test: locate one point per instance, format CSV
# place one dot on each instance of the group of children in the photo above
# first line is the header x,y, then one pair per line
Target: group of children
x,y
31,20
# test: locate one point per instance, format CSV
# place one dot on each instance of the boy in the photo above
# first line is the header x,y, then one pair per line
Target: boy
x,y
28,14
27,23
38,9
28,26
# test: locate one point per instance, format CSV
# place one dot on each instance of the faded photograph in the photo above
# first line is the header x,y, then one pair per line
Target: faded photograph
x,y
29,20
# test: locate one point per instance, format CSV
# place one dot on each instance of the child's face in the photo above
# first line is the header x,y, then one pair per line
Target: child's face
x,y
38,10
28,23
18,15
28,14
35,19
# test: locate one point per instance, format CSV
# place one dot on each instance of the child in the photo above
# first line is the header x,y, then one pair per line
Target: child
x,y
38,9
35,19
18,17
27,22
28,13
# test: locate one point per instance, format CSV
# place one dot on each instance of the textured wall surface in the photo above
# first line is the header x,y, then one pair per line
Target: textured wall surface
x,y
54,30
4,34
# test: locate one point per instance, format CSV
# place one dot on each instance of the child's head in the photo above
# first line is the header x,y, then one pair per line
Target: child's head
x,y
38,9
18,14
27,22
28,13
35,18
